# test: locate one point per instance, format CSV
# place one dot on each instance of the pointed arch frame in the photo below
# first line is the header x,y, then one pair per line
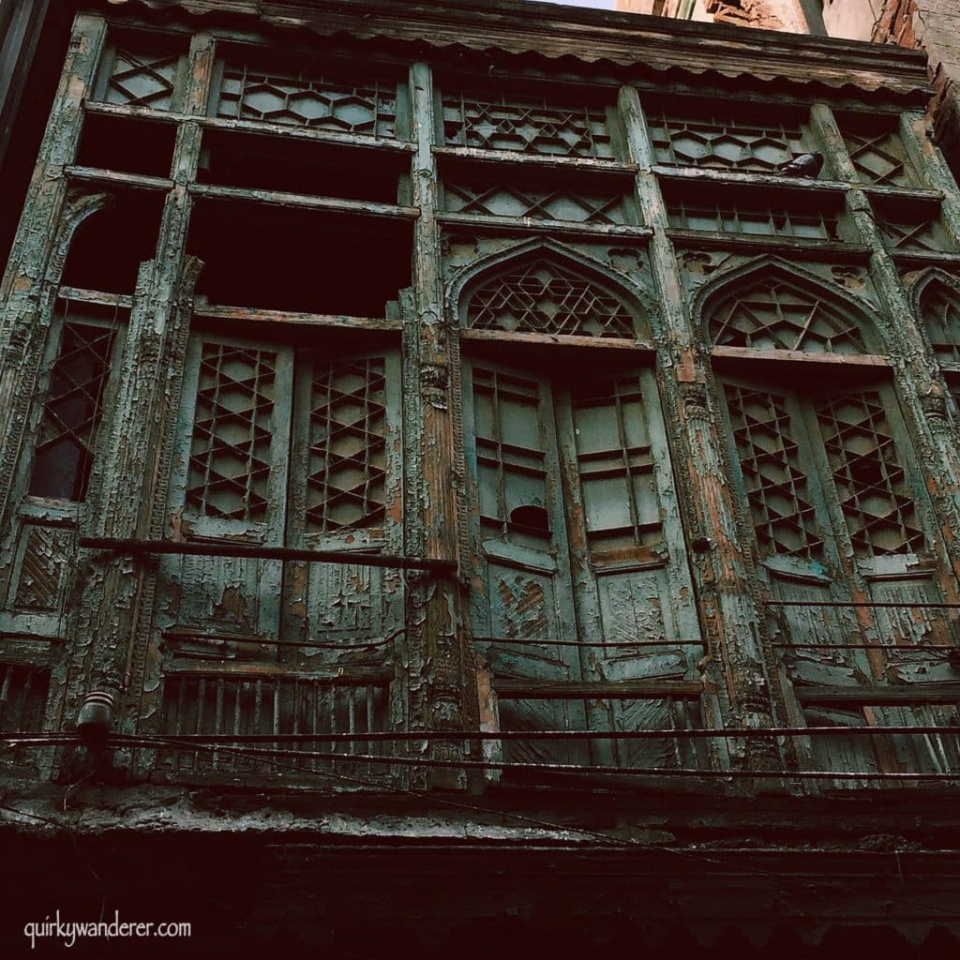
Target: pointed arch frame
x,y
637,301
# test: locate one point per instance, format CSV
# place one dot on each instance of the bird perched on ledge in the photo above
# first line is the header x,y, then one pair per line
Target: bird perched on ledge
x,y
806,165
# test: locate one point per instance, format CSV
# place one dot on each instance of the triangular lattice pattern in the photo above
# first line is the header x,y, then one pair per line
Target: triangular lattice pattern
x,y
773,315
875,497
541,297
72,413
784,517
345,481
879,157
941,316
230,453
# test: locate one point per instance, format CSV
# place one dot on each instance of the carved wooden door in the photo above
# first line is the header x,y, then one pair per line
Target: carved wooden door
x,y
832,488
577,538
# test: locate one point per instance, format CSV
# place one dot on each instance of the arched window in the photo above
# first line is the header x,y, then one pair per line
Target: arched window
x,y
582,602
940,312
828,482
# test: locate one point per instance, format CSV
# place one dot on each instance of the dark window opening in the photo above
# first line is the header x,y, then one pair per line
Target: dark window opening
x,y
533,519
261,256
128,145
269,163
110,245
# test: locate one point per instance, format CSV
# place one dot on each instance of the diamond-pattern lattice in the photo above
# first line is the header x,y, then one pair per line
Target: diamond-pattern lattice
x,y
506,200
723,144
906,233
345,480
308,101
527,127
784,518
941,316
540,297
774,315
64,452
233,429
879,157
142,79
872,484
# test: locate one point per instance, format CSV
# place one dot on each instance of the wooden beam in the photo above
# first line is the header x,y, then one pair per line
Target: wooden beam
x,y
584,690
870,695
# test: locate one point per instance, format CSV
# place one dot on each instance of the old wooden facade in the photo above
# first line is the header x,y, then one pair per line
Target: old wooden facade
x,y
408,397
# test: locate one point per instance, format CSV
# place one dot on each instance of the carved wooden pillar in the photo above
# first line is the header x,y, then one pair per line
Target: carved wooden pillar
x,y
434,620
117,600
722,576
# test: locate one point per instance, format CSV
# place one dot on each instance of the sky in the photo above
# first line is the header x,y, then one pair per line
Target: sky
x,y
595,4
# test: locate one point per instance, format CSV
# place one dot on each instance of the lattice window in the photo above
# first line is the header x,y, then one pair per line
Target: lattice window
x,y
230,452
771,220
615,464
875,497
878,156
511,454
72,413
346,473
141,77
516,200
538,296
774,315
723,143
775,480
941,317
308,100
530,127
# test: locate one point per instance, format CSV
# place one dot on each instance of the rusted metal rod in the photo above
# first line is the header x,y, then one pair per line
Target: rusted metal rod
x,y
896,604
172,635
526,641
255,552
940,647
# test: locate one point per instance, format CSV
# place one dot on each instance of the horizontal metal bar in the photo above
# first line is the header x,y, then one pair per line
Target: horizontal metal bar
x,y
264,641
570,768
526,641
939,647
896,604
255,552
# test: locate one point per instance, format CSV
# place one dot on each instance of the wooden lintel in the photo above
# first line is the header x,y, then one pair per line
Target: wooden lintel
x,y
280,199
346,675
256,315
742,178
96,296
794,356
309,133
584,690
580,164
810,249
592,231
600,343
116,178
868,695
133,113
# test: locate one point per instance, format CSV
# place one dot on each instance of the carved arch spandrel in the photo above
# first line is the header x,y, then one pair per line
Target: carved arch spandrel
x,y
936,301
768,304
535,267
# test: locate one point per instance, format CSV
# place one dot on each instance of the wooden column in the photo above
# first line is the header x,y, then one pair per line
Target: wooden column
x,y
438,686
729,615
117,600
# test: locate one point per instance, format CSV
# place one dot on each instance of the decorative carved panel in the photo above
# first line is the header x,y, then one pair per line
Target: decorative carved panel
x,y
771,314
23,697
504,199
941,317
308,100
526,126
539,296
723,143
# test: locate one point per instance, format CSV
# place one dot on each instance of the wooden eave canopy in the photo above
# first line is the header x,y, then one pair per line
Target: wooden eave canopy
x,y
513,27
